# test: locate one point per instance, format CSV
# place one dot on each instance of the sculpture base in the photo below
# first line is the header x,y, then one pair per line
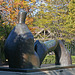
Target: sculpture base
x,y
50,70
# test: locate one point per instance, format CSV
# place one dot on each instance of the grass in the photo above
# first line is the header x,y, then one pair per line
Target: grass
x,y
50,59
73,59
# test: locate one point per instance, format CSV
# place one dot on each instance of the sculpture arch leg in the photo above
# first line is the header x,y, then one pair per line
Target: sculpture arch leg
x,y
63,56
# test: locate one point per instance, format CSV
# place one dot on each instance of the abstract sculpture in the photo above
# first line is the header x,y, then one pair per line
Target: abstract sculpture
x,y
62,55
19,46
22,52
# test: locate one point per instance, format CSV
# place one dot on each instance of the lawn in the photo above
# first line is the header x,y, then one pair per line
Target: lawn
x,y
50,59
73,59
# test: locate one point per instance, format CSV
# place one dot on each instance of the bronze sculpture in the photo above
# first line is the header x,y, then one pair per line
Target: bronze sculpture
x,y
63,56
42,48
19,48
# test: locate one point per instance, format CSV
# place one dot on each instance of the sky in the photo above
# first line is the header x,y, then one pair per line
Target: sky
x,y
37,4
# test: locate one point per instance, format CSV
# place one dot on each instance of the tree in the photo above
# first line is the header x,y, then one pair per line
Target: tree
x,y
58,16
44,17
66,21
70,20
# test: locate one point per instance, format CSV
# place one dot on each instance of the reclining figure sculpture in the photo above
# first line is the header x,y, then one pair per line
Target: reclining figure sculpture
x,y
22,52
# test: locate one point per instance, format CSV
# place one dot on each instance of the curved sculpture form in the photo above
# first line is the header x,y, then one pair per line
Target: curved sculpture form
x,y
42,48
19,46
62,55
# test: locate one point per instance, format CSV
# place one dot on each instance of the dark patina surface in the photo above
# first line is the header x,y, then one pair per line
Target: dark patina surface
x,y
19,46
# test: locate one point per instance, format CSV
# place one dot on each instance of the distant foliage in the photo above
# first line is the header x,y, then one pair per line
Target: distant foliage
x,y
11,9
59,17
